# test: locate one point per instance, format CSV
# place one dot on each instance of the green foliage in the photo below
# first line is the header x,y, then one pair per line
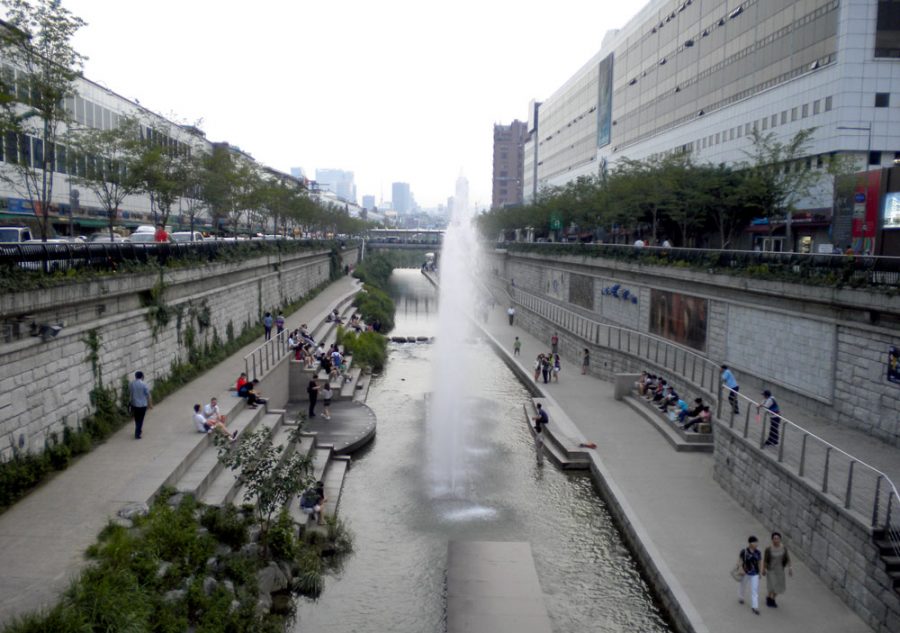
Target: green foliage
x,y
373,303
369,349
226,524
268,478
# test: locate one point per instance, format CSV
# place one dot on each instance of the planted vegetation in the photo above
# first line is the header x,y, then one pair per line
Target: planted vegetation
x,y
188,567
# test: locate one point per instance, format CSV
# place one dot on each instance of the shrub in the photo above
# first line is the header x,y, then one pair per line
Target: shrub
x,y
369,349
374,304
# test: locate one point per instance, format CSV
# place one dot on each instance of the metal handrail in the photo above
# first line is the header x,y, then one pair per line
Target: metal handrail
x,y
259,361
656,350
864,490
858,486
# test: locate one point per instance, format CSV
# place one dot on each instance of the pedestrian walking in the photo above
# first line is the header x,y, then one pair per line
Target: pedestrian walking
x,y
733,388
554,343
539,361
557,367
749,560
279,323
586,362
545,368
771,405
511,313
775,560
517,347
267,324
312,390
541,420
139,400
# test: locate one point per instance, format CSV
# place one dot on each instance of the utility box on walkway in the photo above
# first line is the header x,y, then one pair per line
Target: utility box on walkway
x,y
624,384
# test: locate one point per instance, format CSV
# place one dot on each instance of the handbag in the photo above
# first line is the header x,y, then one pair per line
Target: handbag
x,y
737,573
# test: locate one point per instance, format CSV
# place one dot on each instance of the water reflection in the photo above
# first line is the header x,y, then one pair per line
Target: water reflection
x,y
395,579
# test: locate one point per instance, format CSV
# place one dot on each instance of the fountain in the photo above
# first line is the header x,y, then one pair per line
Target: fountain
x,y
451,411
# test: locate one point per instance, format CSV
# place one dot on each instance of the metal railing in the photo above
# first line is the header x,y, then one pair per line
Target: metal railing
x,y
701,372
823,268
62,256
858,487
262,359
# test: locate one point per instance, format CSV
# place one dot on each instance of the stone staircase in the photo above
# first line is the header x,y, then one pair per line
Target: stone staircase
x,y
681,440
887,549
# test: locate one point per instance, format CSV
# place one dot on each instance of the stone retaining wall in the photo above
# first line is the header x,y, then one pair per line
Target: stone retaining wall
x,y
823,351
831,541
45,385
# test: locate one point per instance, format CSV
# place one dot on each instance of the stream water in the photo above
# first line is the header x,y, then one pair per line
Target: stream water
x,y
394,580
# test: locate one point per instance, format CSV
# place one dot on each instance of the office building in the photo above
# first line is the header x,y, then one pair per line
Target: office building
x,y
368,202
401,197
509,164
696,77
339,182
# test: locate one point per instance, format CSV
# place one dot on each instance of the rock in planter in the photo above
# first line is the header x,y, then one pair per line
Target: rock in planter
x,y
270,579
132,510
175,500
264,604
174,595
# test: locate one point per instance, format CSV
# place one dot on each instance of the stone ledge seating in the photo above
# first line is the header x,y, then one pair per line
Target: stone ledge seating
x,y
681,440
555,450
201,474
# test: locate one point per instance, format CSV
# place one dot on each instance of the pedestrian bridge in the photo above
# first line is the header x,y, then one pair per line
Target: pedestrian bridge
x,y
410,239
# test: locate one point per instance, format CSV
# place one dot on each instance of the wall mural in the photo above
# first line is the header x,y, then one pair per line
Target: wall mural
x,y
555,284
581,291
893,370
679,318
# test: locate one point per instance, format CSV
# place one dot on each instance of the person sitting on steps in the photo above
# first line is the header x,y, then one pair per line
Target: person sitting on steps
x,y
208,425
248,391
312,501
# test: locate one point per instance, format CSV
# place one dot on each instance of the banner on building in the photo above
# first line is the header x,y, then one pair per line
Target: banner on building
x,y
679,318
604,102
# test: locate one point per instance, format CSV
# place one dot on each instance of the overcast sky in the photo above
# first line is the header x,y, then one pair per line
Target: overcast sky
x,y
397,90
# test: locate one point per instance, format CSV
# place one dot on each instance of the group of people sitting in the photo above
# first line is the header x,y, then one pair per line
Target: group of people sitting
x,y
658,391
209,419
247,389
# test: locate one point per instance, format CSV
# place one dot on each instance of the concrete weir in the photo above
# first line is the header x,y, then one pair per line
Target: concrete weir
x,y
492,587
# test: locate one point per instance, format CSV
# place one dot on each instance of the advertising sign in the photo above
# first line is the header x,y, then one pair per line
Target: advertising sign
x,y
865,213
604,102
679,318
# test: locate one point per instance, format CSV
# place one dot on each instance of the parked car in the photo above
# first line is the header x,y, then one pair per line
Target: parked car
x,y
143,237
187,236
14,234
105,237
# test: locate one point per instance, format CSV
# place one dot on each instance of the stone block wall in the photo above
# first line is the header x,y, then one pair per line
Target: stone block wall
x,y
834,543
46,385
822,351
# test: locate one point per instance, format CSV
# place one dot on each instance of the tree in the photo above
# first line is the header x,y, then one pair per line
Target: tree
x,y
193,201
217,178
162,168
269,479
38,44
780,174
111,158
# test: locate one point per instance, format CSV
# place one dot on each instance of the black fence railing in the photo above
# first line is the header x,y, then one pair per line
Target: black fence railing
x,y
819,268
63,256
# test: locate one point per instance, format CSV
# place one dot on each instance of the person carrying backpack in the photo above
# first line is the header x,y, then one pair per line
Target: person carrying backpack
x,y
313,500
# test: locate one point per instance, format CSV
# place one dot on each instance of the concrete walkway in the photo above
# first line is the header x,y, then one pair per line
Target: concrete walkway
x,y
694,525
43,537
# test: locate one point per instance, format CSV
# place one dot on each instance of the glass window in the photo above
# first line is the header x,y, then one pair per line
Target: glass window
x,y
774,120
37,151
25,149
89,114
805,110
887,31
79,110
817,106
827,104
875,158
61,158
765,124
793,114
783,117
882,99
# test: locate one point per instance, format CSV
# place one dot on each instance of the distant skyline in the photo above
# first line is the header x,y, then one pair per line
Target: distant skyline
x,y
251,78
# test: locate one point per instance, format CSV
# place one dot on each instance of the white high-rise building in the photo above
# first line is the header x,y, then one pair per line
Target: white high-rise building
x,y
461,198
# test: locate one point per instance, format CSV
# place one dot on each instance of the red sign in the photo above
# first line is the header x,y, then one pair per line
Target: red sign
x,y
865,212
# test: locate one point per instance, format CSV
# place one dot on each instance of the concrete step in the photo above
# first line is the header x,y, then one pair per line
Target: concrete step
x,y
680,441
337,469
321,454
206,468
885,547
348,389
891,562
362,387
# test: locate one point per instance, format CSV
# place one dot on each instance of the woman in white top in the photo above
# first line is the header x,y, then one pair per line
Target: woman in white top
x,y
327,394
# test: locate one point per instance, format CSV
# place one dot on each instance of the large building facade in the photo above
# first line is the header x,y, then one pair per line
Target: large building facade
x,y
509,164
697,76
339,182
401,198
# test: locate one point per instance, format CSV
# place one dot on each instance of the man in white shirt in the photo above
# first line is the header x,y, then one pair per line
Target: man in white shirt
x,y
207,425
212,413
